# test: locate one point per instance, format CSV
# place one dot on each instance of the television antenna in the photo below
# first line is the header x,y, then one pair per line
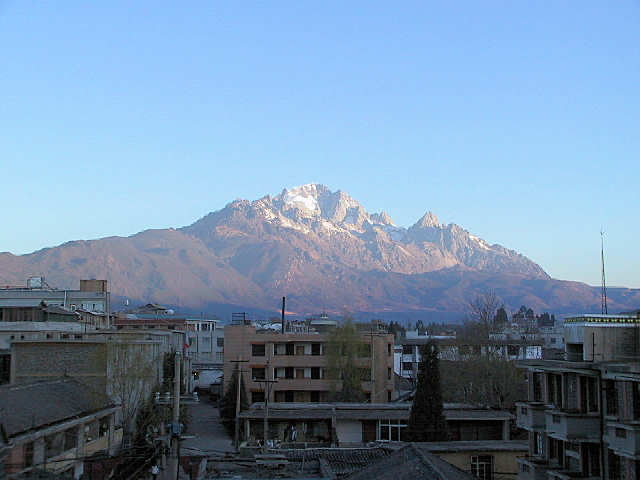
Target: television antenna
x,y
604,282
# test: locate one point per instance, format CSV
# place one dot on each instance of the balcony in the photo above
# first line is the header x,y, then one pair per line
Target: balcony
x,y
623,438
571,426
530,415
532,468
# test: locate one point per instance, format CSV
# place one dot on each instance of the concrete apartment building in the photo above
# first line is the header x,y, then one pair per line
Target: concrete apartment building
x,y
23,304
202,333
297,361
509,344
583,412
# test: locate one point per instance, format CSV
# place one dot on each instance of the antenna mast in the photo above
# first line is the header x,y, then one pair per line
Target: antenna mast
x,y
604,282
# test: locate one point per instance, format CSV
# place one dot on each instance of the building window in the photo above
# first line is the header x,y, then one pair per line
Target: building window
x,y
204,327
257,397
28,454
365,374
258,350
315,349
91,431
407,349
315,396
315,373
299,349
220,341
389,373
258,373
54,445
482,466
391,430
407,366
615,467
104,426
389,350
288,373
70,438
556,451
388,395
77,337
538,444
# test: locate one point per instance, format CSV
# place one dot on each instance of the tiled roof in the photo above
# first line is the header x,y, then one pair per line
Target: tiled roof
x,y
27,406
340,461
410,463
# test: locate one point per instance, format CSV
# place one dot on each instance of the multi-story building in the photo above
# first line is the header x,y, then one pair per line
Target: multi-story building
x,y
509,344
583,412
297,360
202,343
29,303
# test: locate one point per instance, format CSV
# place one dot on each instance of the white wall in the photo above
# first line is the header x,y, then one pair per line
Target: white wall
x,y
349,431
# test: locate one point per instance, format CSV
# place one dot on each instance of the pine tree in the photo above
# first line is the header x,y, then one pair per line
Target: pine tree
x,y
426,421
228,404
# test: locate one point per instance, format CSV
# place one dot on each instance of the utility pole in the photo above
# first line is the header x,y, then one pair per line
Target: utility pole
x,y
236,438
176,414
267,392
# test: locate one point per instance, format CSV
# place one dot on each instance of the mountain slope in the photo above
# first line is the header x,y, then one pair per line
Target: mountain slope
x,y
322,250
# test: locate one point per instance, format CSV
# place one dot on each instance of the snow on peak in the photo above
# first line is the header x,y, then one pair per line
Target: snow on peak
x,y
303,196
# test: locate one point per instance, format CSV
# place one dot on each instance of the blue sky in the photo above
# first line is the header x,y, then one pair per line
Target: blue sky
x,y
519,121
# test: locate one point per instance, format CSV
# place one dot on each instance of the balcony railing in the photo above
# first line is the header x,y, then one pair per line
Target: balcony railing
x,y
530,415
573,425
623,438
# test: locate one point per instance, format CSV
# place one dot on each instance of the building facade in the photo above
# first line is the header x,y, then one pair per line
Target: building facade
x,y
29,303
583,412
298,362
47,432
357,423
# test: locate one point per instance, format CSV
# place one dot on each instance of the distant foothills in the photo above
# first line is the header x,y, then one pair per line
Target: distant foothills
x,y
322,250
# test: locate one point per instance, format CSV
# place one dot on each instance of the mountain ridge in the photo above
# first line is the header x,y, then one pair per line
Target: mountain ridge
x,y
322,250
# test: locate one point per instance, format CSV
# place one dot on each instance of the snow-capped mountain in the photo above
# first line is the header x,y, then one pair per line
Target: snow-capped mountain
x,y
322,250
338,226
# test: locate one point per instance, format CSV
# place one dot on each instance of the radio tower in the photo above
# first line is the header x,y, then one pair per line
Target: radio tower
x,y
604,282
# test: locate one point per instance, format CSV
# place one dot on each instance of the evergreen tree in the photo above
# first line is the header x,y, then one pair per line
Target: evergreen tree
x,y
501,319
228,404
426,420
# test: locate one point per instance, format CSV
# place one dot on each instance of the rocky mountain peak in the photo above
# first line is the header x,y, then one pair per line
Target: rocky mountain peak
x,y
428,220
383,217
